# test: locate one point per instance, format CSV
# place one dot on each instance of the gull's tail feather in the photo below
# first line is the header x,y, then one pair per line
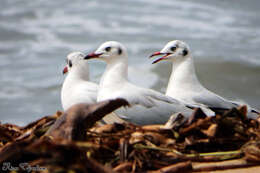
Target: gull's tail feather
x,y
255,111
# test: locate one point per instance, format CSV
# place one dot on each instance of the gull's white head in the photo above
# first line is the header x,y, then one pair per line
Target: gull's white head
x,y
109,51
74,60
173,51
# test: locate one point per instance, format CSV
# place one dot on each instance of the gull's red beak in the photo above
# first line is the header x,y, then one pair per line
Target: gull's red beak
x,y
156,54
92,55
65,70
159,59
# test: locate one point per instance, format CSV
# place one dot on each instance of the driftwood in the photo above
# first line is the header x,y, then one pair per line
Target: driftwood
x,y
81,116
35,144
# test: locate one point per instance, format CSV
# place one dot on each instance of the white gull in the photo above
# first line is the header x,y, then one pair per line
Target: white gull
x,y
77,88
184,84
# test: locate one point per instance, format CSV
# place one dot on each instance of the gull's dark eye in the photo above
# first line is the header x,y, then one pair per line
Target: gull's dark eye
x,y
185,52
119,51
70,63
173,48
108,49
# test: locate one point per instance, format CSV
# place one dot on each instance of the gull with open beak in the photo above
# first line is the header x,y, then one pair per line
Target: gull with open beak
x,y
76,87
147,106
184,84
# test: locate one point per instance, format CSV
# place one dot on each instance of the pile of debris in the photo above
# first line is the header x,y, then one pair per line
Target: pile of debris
x,y
74,142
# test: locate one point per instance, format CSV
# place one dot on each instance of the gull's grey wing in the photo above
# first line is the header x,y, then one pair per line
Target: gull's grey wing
x,y
213,101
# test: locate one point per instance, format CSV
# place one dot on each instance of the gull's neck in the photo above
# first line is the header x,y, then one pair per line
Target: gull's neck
x,y
183,77
81,72
115,73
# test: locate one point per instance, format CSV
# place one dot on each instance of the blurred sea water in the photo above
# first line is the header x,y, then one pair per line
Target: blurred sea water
x,y
36,36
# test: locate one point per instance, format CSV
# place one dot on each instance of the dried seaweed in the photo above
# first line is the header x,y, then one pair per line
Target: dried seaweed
x,y
72,142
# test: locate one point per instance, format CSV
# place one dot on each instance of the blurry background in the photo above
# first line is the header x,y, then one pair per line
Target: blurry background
x,y
36,36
